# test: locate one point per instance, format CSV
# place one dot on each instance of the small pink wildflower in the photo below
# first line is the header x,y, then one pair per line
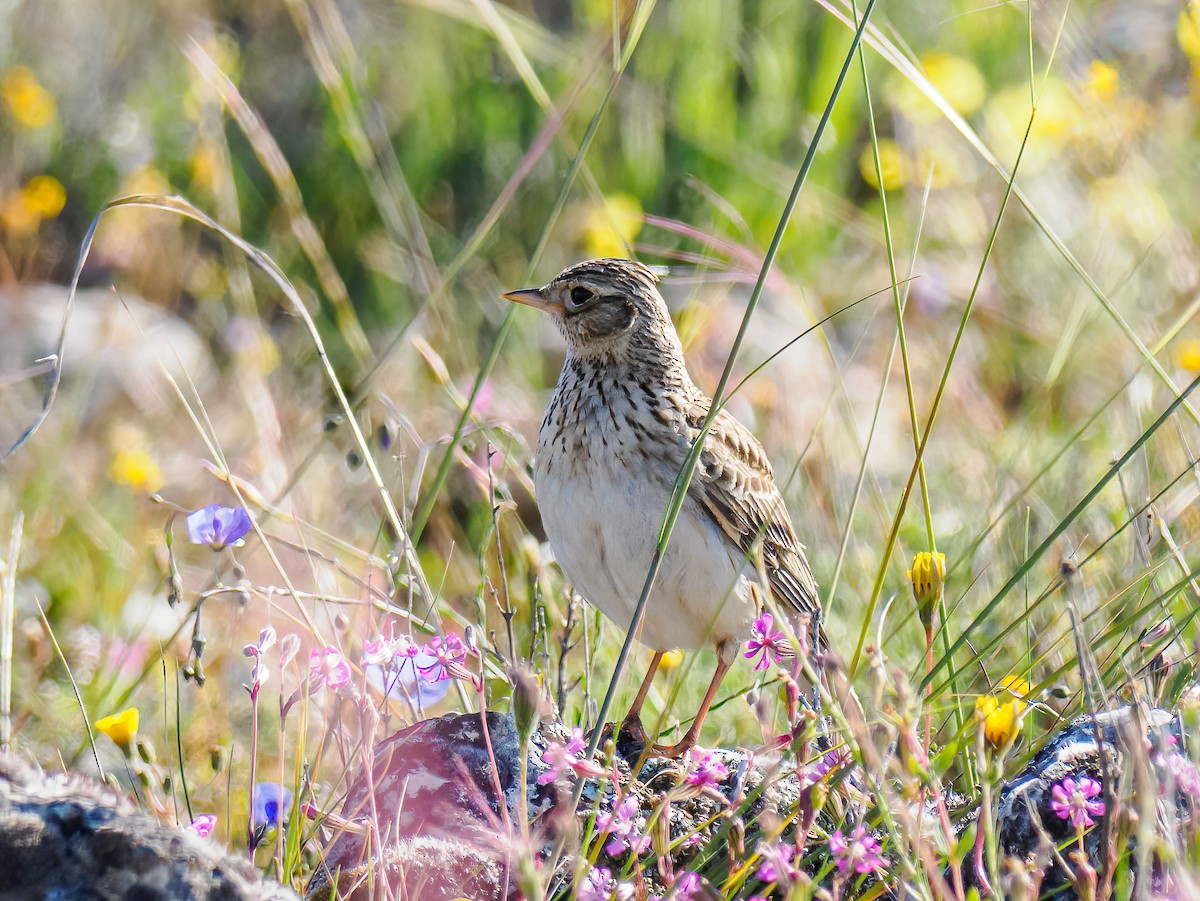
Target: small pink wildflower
x,y
776,865
858,852
686,887
1184,774
327,666
599,885
564,760
447,653
620,823
203,824
704,769
766,644
1073,801
258,671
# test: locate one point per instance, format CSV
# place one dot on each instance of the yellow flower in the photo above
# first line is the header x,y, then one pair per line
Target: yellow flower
x,y
891,164
30,104
956,79
120,727
137,469
612,225
45,195
1001,720
1187,354
1102,81
927,575
671,659
1188,31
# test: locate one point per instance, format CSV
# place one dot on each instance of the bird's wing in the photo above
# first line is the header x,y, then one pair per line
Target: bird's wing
x,y
736,487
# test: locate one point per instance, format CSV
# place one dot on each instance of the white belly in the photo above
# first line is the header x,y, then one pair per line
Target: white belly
x,y
603,526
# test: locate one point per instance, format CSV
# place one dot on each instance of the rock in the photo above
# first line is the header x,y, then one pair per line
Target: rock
x,y
69,837
1023,810
433,793
448,836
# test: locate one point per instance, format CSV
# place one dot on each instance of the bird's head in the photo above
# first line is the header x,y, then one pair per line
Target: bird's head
x,y
604,306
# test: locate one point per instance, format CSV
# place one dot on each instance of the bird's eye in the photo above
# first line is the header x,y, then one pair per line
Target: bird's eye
x,y
580,295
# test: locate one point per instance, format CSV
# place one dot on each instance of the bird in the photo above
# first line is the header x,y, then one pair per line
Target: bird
x,y
621,421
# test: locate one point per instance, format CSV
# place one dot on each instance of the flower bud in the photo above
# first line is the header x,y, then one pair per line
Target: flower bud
x,y
526,701
927,576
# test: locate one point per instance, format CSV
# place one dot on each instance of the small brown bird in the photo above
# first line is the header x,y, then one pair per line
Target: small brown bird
x,y
613,440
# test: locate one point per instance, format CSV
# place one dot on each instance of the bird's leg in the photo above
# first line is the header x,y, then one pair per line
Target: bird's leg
x,y
636,709
631,726
688,741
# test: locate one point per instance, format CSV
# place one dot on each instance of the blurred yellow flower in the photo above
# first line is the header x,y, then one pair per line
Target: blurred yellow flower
x,y
21,212
29,104
1001,721
45,195
202,168
956,79
891,164
1187,354
120,727
137,469
1102,81
671,659
612,225
1188,31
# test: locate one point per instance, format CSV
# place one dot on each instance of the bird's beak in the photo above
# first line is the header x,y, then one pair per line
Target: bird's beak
x,y
534,297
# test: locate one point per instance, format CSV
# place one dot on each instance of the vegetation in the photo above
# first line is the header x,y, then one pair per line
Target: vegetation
x,y
297,315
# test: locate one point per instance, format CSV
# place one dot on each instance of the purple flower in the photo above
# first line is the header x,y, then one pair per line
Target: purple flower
x,y
203,824
766,644
829,762
327,666
620,823
599,885
857,852
704,769
563,759
1073,801
270,804
686,887
217,526
776,865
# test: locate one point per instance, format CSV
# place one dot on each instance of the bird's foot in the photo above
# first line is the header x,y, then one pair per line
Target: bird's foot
x,y
676,750
631,737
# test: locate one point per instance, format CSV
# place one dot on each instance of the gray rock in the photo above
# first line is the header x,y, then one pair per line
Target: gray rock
x,y
66,838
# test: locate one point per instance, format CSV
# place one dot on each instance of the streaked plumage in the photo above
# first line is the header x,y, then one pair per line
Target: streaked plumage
x,y
615,434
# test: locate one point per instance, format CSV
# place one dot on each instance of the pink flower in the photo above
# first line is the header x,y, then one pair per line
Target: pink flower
x,y
776,865
327,666
766,644
858,852
447,653
621,824
203,824
258,672
704,769
1073,801
1184,774
599,885
686,887
563,759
